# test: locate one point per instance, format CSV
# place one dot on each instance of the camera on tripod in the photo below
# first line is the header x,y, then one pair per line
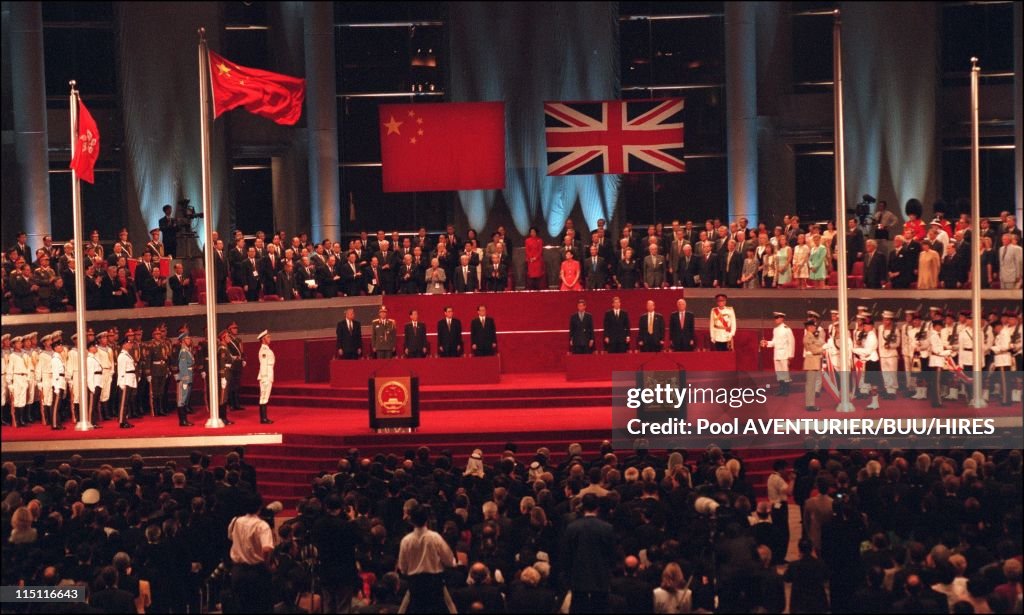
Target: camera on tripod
x,y
863,209
187,211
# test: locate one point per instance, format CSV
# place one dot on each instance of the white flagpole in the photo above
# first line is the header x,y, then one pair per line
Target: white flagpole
x,y
840,167
78,254
977,399
212,379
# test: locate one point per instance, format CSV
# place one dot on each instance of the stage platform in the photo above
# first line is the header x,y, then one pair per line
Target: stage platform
x,y
431,370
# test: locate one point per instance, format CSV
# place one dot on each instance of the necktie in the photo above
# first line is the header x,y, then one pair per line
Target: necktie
x,y
650,324
616,313
449,321
349,325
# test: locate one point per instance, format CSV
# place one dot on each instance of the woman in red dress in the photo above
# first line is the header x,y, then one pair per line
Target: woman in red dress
x,y
570,273
534,261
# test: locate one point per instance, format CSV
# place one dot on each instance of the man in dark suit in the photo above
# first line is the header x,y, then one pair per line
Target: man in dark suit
x,y
350,336
152,291
236,256
596,269
111,599
616,328
480,592
307,271
730,267
351,275
876,270
22,248
632,588
483,335
707,268
180,285
465,276
169,231
387,258
588,550
680,329
286,282
221,270
651,330
449,334
495,274
415,337
250,275
373,282
687,268
581,330
270,266
901,265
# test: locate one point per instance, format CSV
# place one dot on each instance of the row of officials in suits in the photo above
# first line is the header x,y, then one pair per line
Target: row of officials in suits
x,y
618,334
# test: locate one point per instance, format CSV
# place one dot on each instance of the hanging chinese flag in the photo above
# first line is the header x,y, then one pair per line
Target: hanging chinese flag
x,y
443,146
274,96
87,145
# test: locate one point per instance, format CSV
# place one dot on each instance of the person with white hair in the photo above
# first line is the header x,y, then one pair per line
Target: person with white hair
x,y
475,464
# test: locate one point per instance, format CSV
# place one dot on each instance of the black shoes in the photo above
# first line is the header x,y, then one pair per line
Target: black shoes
x,y
812,409
126,425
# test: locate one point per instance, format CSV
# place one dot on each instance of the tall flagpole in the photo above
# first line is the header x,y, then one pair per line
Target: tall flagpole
x,y
212,379
840,167
977,399
82,382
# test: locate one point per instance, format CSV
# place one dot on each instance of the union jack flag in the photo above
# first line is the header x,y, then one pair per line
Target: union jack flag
x,y
614,136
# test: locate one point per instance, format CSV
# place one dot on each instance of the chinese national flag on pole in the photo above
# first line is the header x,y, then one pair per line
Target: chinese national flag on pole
x,y
443,146
274,96
87,145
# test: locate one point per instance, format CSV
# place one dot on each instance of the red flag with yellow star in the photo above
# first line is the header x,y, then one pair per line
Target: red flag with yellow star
x,y
443,146
274,96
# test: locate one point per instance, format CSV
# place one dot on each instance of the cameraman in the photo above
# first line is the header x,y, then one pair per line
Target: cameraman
x,y
252,545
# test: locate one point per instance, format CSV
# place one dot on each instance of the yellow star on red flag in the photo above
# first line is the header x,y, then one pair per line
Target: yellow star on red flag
x,y
393,126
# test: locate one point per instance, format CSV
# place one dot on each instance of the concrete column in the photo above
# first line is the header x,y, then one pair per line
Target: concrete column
x,y
741,108
288,166
29,102
322,121
1018,117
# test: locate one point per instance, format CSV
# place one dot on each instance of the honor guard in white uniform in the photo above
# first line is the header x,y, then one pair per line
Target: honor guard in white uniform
x,y
889,353
865,347
1002,359
71,375
5,354
44,377
937,354
57,377
951,338
965,347
17,381
266,375
723,324
105,355
29,351
94,380
908,347
835,342
784,345
127,379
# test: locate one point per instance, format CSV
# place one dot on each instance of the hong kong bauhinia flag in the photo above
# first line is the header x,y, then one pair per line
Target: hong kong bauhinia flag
x,y
443,146
274,96
614,136
87,145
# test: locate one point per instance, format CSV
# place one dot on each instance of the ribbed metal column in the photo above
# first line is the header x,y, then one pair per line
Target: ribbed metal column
x,y
29,102
741,109
322,121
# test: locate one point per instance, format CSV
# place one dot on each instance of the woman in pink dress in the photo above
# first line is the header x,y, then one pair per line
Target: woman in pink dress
x,y
570,273
534,261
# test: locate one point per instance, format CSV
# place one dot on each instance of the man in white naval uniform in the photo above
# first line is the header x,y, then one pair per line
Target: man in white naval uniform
x,y
57,377
266,375
784,345
127,380
889,353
